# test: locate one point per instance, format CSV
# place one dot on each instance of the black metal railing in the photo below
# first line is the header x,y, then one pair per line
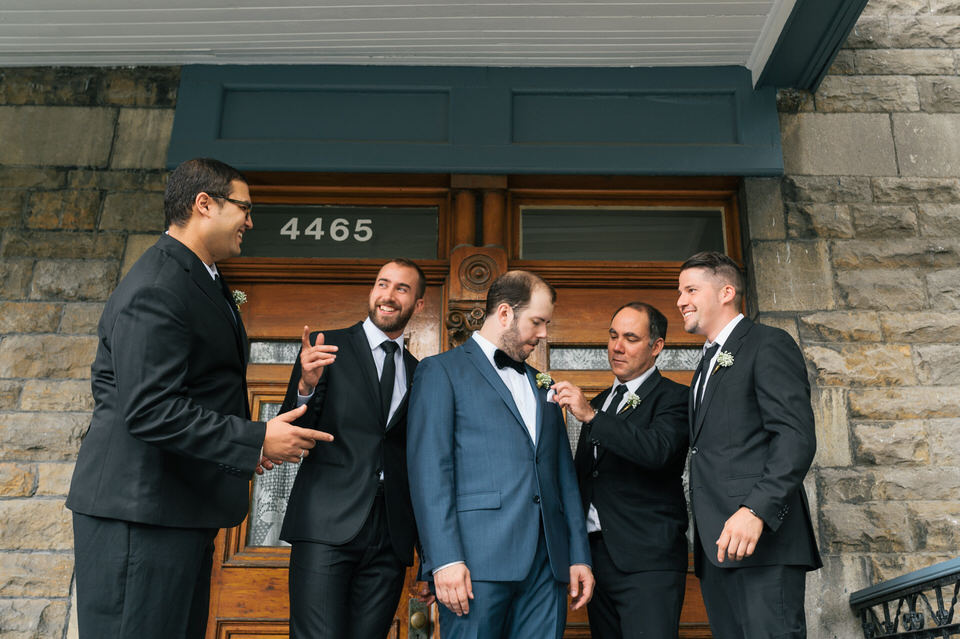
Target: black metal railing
x,y
919,605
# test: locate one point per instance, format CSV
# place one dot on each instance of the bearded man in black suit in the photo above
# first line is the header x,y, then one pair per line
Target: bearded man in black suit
x,y
349,518
752,441
629,463
171,448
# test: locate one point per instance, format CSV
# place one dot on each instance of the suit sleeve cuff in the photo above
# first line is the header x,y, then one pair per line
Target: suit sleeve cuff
x,y
452,563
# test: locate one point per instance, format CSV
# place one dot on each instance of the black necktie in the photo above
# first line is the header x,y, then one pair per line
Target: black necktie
x,y
502,360
701,372
618,392
227,295
387,377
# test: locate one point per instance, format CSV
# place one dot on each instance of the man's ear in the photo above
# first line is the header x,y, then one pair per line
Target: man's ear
x,y
505,314
202,204
727,294
657,346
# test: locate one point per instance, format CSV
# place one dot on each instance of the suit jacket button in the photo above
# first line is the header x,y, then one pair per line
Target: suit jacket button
x,y
536,499
694,450
595,473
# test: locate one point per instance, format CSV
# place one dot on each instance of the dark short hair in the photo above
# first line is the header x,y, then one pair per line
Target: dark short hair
x,y
722,268
657,321
421,278
199,175
515,288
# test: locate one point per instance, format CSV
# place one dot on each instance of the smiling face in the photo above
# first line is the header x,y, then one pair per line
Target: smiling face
x,y
228,222
393,298
629,349
705,302
524,330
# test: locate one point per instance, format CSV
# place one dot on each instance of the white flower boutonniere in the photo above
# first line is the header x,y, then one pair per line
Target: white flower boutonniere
x,y
239,297
632,401
544,380
724,359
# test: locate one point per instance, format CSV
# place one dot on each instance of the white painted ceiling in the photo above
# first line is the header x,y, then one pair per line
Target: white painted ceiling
x,y
410,32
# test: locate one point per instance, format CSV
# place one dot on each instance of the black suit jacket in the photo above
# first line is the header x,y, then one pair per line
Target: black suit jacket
x,y
752,442
335,487
170,442
636,482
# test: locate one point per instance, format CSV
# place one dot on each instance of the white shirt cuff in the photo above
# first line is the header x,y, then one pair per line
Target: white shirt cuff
x,y
452,563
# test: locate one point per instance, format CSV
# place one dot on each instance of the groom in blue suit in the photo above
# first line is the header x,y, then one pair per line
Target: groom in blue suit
x,y
492,480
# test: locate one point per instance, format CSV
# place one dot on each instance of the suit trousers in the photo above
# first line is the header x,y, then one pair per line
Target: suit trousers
x,y
756,602
534,608
139,581
350,590
628,605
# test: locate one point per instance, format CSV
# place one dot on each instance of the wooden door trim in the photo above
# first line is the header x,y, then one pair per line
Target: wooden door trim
x,y
313,270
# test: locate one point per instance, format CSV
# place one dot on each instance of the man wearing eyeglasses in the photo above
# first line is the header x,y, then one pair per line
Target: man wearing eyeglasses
x,y
171,448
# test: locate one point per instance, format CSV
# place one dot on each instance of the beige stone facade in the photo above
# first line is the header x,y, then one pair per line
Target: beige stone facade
x,y
855,251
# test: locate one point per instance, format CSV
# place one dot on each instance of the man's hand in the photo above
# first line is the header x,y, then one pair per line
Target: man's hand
x,y
265,464
421,590
739,536
573,399
313,358
454,589
581,584
286,442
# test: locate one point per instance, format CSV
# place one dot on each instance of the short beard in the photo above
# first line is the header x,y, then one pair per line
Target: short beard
x,y
388,326
511,344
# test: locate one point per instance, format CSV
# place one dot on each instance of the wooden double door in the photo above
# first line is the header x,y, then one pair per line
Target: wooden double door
x,y
479,235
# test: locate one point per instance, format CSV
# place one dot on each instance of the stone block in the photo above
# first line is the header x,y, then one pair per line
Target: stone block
x,y
74,281
812,220
42,436
39,574
937,523
133,212
944,442
871,527
32,618
68,210
140,86
136,247
911,62
887,567
764,202
904,403
867,94
15,276
10,393
142,139
47,85
903,253
945,7
939,94
870,32
794,101
11,208
830,190
840,326
52,244
29,317
833,432
155,180
846,485
884,220
939,220
902,483
35,524
56,136
785,322
81,318
924,327
937,364
69,395
944,288
838,144
912,190
927,31
890,443
53,356
843,63
17,480
858,365
792,276
897,7
54,480
881,289
24,177
828,596
126,180
927,144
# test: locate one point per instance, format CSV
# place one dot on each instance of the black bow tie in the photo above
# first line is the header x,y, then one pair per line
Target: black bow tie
x,y
502,360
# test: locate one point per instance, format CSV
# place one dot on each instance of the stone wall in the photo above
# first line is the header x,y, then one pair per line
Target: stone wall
x,y
856,252
81,182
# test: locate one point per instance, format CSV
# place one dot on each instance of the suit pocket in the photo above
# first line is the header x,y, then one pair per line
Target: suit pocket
x,y
741,485
479,501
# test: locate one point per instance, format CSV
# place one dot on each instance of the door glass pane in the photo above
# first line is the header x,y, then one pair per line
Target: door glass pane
x,y
619,233
271,490
594,358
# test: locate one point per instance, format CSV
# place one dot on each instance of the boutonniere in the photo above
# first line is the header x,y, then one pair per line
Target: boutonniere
x,y
632,401
544,380
239,297
724,359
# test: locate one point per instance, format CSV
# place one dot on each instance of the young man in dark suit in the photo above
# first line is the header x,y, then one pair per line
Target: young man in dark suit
x,y
752,441
349,517
171,448
629,463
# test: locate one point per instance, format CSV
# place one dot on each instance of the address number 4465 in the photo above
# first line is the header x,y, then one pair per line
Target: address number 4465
x,y
339,229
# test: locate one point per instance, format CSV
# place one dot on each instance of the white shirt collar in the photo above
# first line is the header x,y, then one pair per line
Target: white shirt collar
x,y
636,382
488,347
376,337
724,334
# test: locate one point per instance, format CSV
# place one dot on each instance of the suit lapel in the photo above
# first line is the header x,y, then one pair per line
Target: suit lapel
x,y
368,368
479,360
409,365
541,396
732,345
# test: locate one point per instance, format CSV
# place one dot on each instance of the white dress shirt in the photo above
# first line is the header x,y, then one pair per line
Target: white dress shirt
x,y
593,519
721,338
518,385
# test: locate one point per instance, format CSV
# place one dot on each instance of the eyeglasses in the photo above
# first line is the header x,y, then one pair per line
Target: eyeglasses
x,y
246,207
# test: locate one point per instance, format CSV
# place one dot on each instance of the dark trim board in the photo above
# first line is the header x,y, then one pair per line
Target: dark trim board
x,y
612,121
